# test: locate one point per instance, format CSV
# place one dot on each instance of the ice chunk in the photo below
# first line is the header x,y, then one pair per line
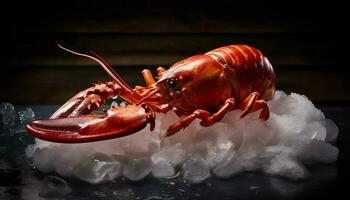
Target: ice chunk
x,y
279,94
271,152
98,168
195,169
218,152
230,166
279,160
26,116
172,155
318,151
257,132
287,126
138,168
314,130
162,169
298,106
51,158
332,130
304,108
285,166
43,160
140,144
64,163
8,114
54,187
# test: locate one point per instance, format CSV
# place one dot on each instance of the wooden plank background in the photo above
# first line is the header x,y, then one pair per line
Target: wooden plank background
x,y
306,44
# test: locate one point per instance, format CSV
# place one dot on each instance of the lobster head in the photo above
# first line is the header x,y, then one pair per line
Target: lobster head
x,y
186,85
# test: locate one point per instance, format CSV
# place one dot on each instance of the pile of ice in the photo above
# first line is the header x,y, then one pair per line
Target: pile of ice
x,y
12,122
296,133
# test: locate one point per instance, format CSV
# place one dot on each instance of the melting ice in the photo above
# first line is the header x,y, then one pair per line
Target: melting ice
x,y
297,133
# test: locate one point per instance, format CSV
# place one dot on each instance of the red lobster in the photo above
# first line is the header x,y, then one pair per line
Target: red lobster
x,y
205,86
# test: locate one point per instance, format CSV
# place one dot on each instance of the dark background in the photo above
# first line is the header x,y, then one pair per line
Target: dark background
x,y
305,42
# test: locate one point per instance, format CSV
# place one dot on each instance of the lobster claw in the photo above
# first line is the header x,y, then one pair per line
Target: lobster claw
x,y
113,123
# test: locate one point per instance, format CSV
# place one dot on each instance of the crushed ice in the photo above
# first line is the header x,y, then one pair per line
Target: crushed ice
x,y
297,133
53,186
8,114
12,122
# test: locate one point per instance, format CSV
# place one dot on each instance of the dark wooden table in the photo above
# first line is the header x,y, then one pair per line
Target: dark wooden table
x,y
18,180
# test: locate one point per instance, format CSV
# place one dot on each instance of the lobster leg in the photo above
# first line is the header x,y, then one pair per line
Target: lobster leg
x,y
147,75
160,71
185,121
251,104
205,116
265,112
228,106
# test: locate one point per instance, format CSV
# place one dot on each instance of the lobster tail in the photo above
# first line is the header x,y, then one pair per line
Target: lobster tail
x,y
250,66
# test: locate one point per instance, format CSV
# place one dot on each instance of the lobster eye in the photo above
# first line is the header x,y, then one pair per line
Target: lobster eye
x,y
172,84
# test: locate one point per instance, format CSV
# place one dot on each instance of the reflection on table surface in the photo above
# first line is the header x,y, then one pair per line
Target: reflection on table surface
x,y
20,180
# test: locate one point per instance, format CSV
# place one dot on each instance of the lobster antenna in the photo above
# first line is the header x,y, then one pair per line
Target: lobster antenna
x,y
107,69
147,95
110,69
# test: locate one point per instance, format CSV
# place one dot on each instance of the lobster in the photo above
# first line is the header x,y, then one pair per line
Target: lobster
x,y
203,87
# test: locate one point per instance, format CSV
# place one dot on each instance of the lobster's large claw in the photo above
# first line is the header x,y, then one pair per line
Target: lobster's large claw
x,y
115,122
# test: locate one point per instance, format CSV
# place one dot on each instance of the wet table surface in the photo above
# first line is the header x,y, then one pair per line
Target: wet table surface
x,y
20,181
